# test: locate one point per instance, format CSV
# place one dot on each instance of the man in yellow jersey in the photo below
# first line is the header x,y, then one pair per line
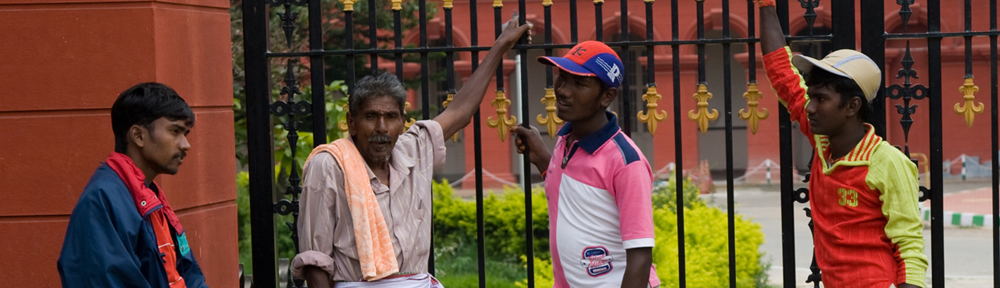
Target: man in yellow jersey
x,y
863,191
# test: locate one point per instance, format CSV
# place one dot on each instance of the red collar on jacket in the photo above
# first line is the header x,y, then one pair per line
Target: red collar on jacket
x,y
145,198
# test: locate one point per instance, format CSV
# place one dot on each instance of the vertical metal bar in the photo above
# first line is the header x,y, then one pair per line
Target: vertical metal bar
x,y
843,24
728,90
626,95
572,22
937,205
349,37
372,37
397,27
291,125
787,202
316,74
450,54
497,29
425,105
751,46
478,154
548,41
529,234
650,62
968,39
678,144
996,147
873,45
701,44
599,19
260,162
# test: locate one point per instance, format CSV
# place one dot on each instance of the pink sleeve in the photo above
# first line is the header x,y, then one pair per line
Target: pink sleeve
x,y
633,186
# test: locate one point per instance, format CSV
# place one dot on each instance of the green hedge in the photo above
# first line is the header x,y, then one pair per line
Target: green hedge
x,y
706,249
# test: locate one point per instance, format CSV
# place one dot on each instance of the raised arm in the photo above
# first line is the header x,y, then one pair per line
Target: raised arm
x,y
460,111
786,81
771,36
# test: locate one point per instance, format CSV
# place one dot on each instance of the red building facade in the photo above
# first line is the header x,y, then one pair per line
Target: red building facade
x,y
751,150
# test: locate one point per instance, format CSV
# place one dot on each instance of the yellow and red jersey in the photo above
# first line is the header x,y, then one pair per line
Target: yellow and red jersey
x,y
868,232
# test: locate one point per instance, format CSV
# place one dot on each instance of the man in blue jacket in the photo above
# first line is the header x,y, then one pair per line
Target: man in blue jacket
x,y
122,232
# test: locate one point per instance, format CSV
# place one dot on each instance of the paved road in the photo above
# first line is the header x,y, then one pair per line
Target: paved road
x,y
967,250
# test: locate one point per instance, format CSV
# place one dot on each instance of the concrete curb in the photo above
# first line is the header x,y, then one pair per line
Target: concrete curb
x,y
960,219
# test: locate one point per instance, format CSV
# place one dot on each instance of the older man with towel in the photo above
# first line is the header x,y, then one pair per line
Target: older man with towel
x,y
365,219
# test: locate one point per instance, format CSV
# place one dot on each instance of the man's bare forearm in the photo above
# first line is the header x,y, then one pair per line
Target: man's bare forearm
x,y
317,278
638,262
467,100
771,36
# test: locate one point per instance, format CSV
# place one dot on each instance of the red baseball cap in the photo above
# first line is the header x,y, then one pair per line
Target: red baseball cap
x,y
590,58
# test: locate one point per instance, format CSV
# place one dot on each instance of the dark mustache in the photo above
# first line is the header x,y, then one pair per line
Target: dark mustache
x,y
379,138
181,155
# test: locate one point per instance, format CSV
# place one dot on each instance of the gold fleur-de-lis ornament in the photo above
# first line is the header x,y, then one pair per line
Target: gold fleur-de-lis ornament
x,y
703,115
406,126
651,116
502,122
451,96
342,124
753,116
551,121
969,107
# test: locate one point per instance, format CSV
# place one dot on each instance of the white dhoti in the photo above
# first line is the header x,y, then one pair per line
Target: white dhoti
x,y
423,280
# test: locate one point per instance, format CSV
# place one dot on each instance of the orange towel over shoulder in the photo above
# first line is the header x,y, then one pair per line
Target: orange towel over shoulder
x,y
375,252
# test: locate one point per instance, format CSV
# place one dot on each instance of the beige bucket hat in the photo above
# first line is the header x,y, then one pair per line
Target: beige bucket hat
x,y
846,63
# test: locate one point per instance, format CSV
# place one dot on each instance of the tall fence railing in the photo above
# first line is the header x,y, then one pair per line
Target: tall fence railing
x,y
288,109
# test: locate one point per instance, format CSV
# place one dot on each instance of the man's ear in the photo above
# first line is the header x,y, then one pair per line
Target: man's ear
x,y
853,106
609,97
350,124
138,135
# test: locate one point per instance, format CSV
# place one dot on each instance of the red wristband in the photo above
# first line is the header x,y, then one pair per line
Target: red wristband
x,y
764,3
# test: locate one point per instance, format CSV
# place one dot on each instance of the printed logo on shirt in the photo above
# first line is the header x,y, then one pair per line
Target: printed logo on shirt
x,y
848,197
596,260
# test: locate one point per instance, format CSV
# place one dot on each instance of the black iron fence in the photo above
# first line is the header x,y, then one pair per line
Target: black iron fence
x,y
265,110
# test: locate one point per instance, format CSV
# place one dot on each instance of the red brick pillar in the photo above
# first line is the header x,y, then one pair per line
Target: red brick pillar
x,y
62,64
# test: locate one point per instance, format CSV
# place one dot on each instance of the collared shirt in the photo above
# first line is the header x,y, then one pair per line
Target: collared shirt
x,y
599,192
326,230
864,204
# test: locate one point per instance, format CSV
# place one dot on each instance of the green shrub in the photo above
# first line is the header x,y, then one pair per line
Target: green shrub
x,y
243,220
706,248
455,250
543,273
664,194
503,218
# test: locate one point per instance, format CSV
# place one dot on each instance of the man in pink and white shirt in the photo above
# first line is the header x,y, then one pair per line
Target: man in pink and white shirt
x,y
598,182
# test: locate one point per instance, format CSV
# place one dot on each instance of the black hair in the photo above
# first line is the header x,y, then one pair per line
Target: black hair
x,y
141,105
371,87
844,86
